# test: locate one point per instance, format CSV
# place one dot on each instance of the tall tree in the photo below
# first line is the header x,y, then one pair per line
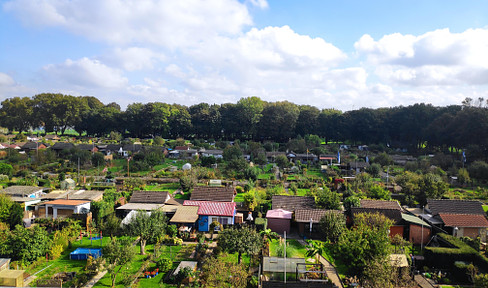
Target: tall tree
x,y
118,255
147,226
243,240
279,121
17,114
249,113
366,241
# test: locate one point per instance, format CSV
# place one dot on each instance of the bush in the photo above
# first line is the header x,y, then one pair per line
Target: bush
x,y
239,189
164,264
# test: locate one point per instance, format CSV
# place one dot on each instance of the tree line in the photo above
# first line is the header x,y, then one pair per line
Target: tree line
x,y
251,118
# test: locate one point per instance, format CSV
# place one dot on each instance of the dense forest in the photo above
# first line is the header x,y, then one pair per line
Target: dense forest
x,y
413,127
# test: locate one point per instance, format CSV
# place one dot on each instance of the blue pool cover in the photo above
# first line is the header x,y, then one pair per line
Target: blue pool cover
x,y
83,253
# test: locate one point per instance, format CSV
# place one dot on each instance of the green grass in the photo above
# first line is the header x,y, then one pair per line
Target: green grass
x,y
239,197
293,249
485,208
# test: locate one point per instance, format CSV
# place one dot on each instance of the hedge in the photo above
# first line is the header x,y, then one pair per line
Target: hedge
x,y
442,257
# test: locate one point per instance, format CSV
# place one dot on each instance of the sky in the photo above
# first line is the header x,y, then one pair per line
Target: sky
x,y
328,54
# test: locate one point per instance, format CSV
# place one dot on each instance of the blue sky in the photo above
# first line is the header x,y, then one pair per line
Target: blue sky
x,y
330,54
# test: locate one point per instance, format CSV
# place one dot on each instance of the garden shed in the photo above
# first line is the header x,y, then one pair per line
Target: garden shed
x,y
279,220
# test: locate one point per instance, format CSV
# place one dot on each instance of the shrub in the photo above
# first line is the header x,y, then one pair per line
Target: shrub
x,y
164,264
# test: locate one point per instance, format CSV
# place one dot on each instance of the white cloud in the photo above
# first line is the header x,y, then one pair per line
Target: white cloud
x,y
165,23
6,80
263,4
10,88
135,58
438,57
84,72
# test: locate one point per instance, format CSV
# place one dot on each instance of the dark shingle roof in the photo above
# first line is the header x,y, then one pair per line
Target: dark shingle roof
x,y
132,147
88,147
62,146
291,203
32,145
153,197
455,206
218,194
304,215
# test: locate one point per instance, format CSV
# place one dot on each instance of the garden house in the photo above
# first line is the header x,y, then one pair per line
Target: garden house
x,y
279,220
209,211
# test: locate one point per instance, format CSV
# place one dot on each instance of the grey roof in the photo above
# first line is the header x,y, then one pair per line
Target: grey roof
x,y
437,206
85,195
62,146
154,197
304,215
291,203
21,191
393,214
88,147
277,264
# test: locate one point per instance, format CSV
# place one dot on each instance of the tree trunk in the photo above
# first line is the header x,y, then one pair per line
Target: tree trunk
x,y
239,258
143,245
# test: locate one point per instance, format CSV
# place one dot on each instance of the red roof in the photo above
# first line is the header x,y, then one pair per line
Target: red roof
x,y
464,220
213,208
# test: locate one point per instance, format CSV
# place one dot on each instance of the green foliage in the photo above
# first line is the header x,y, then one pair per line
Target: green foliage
x,y
332,225
26,245
364,242
481,281
118,254
383,159
463,176
232,153
6,169
479,170
328,199
187,182
216,272
374,169
444,257
208,161
164,264
147,227
378,192
98,159
243,240
171,230
351,201
250,200
282,161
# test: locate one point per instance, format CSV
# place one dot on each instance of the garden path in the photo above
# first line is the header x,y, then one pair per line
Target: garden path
x,y
329,268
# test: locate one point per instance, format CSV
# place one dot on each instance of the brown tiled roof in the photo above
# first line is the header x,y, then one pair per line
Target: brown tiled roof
x,y
208,193
66,202
150,197
304,215
455,206
380,204
464,220
292,203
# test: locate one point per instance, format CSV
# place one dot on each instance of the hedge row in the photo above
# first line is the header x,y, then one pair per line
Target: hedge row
x,y
442,257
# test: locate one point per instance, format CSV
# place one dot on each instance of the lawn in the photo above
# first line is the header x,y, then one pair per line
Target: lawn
x,y
177,254
64,263
293,249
